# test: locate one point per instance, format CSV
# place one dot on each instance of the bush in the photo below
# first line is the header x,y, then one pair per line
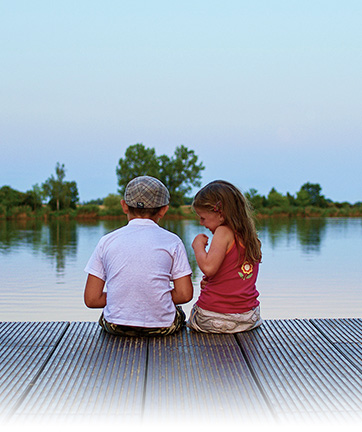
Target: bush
x,y
112,201
175,211
88,210
114,211
316,211
19,211
65,213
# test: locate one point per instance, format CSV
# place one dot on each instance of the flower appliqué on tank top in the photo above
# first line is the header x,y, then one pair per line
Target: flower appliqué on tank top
x,y
246,270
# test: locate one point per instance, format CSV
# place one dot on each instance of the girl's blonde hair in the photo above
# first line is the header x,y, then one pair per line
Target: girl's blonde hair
x,y
223,197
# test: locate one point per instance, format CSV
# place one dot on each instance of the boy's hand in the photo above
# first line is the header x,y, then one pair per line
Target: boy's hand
x,y
201,240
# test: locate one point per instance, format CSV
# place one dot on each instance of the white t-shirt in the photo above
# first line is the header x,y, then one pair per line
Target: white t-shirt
x,y
137,262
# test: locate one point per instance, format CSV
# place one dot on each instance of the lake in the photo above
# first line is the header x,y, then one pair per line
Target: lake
x,y
311,267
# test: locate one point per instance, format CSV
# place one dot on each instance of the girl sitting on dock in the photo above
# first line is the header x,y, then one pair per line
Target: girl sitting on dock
x,y
228,300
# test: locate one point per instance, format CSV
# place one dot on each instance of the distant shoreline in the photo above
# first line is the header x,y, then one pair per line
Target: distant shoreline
x,y
95,212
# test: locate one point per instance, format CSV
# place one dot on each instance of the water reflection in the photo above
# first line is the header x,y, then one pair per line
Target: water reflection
x,y
61,243
57,240
309,233
297,278
15,233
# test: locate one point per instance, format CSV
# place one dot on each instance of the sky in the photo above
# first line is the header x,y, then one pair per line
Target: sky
x,y
268,93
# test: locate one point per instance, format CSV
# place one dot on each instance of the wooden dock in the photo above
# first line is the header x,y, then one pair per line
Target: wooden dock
x,y
284,371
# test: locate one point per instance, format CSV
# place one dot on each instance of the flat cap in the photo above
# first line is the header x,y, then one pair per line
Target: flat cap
x,y
146,192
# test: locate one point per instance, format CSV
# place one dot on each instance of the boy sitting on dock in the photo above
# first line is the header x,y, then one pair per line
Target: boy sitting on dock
x,y
137,263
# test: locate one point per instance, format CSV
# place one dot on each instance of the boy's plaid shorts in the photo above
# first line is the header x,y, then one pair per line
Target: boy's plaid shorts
x,y
122,330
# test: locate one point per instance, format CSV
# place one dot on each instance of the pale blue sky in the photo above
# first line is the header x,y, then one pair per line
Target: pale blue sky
x,y
267,93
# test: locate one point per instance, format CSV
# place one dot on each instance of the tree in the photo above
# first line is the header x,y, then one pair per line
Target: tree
x,y
10,197
303,198
112,200
311,192
276,199
291,199
138,161
179,173
34,197
61,194
71,196
256,200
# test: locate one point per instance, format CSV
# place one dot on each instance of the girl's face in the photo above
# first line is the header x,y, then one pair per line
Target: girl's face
x,y
209,219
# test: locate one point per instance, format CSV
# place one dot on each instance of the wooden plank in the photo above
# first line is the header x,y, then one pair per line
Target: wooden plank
x,y
346,336
25,348
200,376
291,368
92,375
302,374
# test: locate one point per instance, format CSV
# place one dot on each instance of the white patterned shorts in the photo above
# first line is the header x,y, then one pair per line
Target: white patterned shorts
x,y
214,322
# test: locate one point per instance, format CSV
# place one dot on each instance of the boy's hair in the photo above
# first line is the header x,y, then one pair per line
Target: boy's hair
x,y
144,212
223,197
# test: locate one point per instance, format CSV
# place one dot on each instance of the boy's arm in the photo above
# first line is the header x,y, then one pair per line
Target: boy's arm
x,y
94,296
183,290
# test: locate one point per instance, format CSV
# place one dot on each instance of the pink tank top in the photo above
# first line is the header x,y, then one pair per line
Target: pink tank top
x,y
232,289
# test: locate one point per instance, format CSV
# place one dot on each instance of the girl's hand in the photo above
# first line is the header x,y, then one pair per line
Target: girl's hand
x,y
203,282
211,260
200,241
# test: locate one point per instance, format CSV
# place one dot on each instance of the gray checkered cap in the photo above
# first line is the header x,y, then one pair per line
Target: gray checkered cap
x,y
146,192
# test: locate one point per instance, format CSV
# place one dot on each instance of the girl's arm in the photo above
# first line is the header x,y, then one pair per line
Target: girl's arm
x,y
94,296
210,262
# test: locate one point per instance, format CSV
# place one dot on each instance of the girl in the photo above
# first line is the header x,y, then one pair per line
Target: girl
x,y
228,299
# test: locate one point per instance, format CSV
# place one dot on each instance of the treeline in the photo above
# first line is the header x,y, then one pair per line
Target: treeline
x,y
180,173
52,196
308,201
56,197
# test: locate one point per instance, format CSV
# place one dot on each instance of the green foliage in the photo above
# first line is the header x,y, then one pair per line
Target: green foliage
x,y
311,192
62,194
112,211
188,200
303,198
68,213
88,209
10,197
112,201
179,173
256,200
138,161
18,211
34,198
175,211
291,199
276,199
97,201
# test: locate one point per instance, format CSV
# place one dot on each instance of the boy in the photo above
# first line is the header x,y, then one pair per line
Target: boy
x,y
137,262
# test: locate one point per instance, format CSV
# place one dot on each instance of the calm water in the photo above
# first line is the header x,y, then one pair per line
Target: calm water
x,y
311,267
